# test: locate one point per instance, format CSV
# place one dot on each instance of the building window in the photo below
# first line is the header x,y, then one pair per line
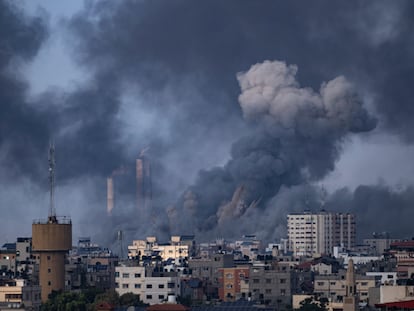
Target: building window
x,y
229,286
13,296
125,275
49,283
160,296
283,292
229,275
282,281
49,270
137,275
125,285
320,283
160,285
116,285
268,281
149,296
149,285
48,257
171,285
333,283
268,291
256,281
117,274
137,286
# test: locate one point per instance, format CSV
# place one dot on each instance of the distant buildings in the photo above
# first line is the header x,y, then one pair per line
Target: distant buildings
x,y
316,233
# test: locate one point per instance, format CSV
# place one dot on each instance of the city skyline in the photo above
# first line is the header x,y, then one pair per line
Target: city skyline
x,y
251,111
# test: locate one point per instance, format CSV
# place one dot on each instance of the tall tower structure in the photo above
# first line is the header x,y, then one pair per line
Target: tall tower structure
x,y
144,183
351,298
109,195
130,186
51,240
317,233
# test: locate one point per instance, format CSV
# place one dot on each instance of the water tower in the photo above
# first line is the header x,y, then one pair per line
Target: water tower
x,y
51,240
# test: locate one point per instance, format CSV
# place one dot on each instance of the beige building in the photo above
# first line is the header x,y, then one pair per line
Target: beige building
x,y
313,234
18,292
334,287
176,249
51,241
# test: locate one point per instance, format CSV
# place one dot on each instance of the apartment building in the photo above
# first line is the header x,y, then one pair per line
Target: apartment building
x,y
316,233
270,285
333,286
230,282
17,293
151,289
177,248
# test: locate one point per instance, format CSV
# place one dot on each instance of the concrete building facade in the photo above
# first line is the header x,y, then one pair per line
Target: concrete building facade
x,y
313,234
51,240
230,280
151,290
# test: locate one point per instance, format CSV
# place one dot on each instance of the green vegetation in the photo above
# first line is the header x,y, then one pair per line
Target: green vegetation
x,y
311,304
86,300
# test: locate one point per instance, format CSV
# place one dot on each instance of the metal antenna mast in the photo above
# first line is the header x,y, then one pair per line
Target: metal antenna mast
x,y
52,209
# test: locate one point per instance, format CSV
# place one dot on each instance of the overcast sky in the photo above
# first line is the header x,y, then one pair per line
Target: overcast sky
x,y
293,101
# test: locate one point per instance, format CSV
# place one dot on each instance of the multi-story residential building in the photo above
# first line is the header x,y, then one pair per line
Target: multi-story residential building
x,y
313,234
178,248
270,285
207,270
8,261
90,265
151,289
25,261
379,244
230,282
333,286
18,292
403,251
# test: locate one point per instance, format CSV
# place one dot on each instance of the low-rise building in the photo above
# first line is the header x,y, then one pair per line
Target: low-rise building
x,y
150,289
270,285
18,292
231,281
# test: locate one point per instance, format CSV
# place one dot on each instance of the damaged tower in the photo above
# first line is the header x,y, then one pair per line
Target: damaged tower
x,y
120,189
51,240
143,183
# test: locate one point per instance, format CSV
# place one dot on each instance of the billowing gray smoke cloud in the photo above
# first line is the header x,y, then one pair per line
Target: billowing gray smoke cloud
x,y
297,141
395,204
163,74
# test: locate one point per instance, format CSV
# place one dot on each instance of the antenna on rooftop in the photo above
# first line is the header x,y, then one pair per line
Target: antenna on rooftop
x,y
52,209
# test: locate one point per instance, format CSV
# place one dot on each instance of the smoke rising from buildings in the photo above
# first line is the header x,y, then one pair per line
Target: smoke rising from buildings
x,y
232,136
297,142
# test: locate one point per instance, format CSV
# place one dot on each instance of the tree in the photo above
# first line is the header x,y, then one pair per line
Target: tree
x,y
110,296
312,304
130,299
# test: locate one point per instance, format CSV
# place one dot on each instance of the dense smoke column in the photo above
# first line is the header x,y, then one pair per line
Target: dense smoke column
x,y
298,138
23,132
366,200
176,62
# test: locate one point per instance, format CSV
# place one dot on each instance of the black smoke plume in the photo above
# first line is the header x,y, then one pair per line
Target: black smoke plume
x,y
163,74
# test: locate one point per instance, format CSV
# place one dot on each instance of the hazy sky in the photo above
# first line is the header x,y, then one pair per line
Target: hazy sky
x,y
284,98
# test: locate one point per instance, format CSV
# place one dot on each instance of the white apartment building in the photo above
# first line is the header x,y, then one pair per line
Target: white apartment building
x,y
316,233
151,290
174,250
